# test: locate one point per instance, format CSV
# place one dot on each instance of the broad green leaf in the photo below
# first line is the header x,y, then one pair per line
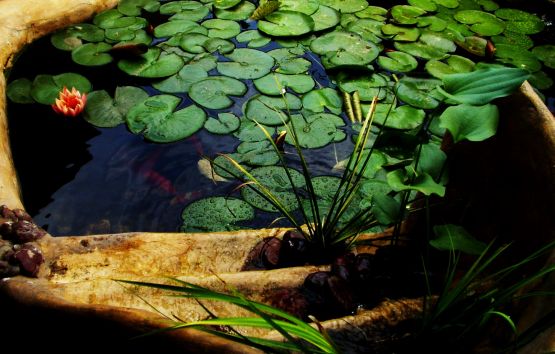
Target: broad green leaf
x,y
406,14
452,65
518,57
521,21
367,86
346,6
152,64
386,209
47,88
254,38
410,94
540,80
307,7
269,110
19,91
216,214
474,123
399,180
258,153
133,7
482,23
92,54
182,81
288,61
241,11
370,30
400,34
317,100
373,12
286,23
421,50
171,28
451,237
224,29
341,48
403,117
313,131
225,4
432,161
104,112
73,36
324,18
274,84
397,62
250,131
432,23
225,124
213,91
513,38
246,64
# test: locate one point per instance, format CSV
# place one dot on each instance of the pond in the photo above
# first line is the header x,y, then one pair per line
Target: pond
x,y
113,172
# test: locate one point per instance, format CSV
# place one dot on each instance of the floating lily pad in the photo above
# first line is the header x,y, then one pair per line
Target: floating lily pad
x,y
19,91
223,167
73,36
410,94
317,100
406,14
225,124
175,7
421,50
513,38
182,81
397,62
225,4
275,179
288,61
156,120
246,64
325,17
521,21
269,110
46,88
341,48
375,162
474,45
104,111
92,54
452,65
540,80
370,30
275,84
216,214
134,7
426,5
368,86
346,6
250,131
474,123
115,19
482,23
241,11
546,53
254,38
432,23
286,23
258,153
224,29
373,12
171,28
213,92
436,40
152,64
313,131
403,117
399,33
307,7
197,43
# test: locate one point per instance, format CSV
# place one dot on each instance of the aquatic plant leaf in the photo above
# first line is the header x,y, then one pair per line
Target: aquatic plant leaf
x,y
474,123
397,62
437,40
410,94
339,48
520,21
406,14
286,23
92,54
273,83
246,64
307,7
258,153
269,110
368,86
545,53
482,23
213,91
115,19
370,30
451,237
402,34
373,12
452,65
399,180
275,179
241,11
375,163
133,7
426,5
474,45
324,18
224,29
225,4
156,120
403,117
481,86
182,81
513,38
19,91
432,23
317,100
313,131
104,112
197,43
46,88
432,161
221,166
288,61
254,38
370,189
386,209
421,50
216,214
540,80
174,7
152,64
225,124
346,6
72,37
518,57
250,131
171,28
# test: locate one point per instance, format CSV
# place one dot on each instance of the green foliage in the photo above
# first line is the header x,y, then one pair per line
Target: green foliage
x,y
216,214
104,112
474,123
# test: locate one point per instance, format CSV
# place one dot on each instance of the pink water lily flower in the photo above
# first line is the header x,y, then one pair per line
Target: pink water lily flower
x,y
70,103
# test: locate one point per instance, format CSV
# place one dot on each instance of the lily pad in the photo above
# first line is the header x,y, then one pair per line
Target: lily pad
x,y
317,100
19,91
406,14
254,38
246,64
156,120
513,38
104,112
275,179
368,86
341,48
269,110
216,214
540,80
152,64
421,50
397,62
474,123
324,18
373,12
92,54
482,23
258,153
288,61
426,5
286,23
401,34
73,36
474,45
432,23
134,7
521,21
402,117
241,11
46,88
275,84
115,19
346,6
197,43
225,4
171,28
223,167
546,53
225,124
370,30
182,81
250,131
375,162
410,94
213,91
313,131
224,29
452,65
307,7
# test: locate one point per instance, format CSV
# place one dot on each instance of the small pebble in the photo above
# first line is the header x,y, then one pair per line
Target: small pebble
x,y
26,231
29,258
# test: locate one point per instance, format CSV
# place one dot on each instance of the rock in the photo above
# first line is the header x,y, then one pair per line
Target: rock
x,y
6,228
29,258
26,231
8,270
7,213
271,253
22,215
294,250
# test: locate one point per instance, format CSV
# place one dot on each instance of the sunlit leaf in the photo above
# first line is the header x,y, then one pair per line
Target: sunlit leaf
x,y
103,111
474,123
216,214
213,91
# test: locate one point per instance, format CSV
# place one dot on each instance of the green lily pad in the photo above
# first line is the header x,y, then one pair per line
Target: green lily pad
x,y
426,5
286,23
225,4
246,64
156,120
482,23
92,54
213,92
421,50
258,153
115,19
324,18
376,160
397,62
223,167
474,123
373,12
241,11
540,80
250,131
275,179
152,64
19,91
402,117
215,214
182,81
368,86
317,100
521,21
406,14
47,88
370,30
474,45
513,38
401,34
307,7
225,124
268,110
254,38
452,65
275,84
432,23
313,131
175,7
197,43
341,48
410,94
398,180
171,28
545,53
134,7
288,61
104,112
224,29
73,36
436,40
346,6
